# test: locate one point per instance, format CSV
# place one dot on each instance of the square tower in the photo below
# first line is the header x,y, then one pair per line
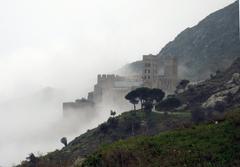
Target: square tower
x,y
150,70
171,67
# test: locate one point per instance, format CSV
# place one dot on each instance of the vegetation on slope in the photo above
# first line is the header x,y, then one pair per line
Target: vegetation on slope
x,y
196,95
207,145
128,124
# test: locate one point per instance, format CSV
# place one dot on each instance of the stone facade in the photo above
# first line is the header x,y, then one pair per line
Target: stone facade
x,y
160,73
83,105
111,89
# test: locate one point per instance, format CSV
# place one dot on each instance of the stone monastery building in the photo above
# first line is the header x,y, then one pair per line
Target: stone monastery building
x,y
111,89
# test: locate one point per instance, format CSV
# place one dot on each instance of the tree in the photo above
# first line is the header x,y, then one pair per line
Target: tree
x,y
64,141
157,94
169,103
148,106
134,102
132,97
32,159
112,113
143,94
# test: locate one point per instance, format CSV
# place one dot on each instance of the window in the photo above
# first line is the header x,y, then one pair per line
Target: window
x,y
147,65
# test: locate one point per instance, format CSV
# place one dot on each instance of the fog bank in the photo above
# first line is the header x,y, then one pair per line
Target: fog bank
x,y
52,50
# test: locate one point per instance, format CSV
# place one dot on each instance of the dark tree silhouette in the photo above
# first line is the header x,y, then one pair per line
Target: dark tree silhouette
x,y
148,106
32,159
157,94
132,97
169,104
113,113
64,141
143,94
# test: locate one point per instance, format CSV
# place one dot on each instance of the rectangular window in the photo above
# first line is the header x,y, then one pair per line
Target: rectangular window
x,y
147,65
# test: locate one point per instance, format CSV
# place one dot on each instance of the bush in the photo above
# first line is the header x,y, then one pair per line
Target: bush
x,y
198,115
169,104
234,117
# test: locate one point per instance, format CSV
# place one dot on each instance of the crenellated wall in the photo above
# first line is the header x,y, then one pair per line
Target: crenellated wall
x,y
77,107
111,89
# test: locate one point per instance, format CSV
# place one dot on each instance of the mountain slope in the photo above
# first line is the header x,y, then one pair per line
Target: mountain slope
x,y
214,38
209,46
114,129
222,87
208,145
123,126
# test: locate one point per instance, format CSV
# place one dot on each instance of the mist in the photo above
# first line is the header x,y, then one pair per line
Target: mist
x,y
51,52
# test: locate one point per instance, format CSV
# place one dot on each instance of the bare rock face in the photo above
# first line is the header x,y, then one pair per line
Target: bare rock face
x,y
231,88
220,97
236,78
197,48
221,90
214,38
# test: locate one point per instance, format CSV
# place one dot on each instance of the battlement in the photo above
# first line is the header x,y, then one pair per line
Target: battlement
x,y
149,57
108,77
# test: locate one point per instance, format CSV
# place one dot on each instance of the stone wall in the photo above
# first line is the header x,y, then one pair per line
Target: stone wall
x,y
77,107
111,89
151,73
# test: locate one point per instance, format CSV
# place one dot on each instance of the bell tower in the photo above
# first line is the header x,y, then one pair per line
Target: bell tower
x,y
150,65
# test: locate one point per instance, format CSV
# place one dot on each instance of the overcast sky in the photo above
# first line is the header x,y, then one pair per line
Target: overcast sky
x,y
66,43
57,42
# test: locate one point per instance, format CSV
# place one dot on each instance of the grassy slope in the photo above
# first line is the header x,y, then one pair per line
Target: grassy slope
x,y
93,139
209,145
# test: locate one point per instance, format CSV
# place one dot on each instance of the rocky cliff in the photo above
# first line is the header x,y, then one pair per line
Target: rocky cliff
x,y
209,46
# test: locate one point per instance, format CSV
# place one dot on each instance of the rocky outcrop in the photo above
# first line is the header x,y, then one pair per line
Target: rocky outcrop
x,y
223,88
231,88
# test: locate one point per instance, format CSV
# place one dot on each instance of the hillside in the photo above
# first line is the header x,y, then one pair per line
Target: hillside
x,y
127,125
222,88
207,145
214,38
197,48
